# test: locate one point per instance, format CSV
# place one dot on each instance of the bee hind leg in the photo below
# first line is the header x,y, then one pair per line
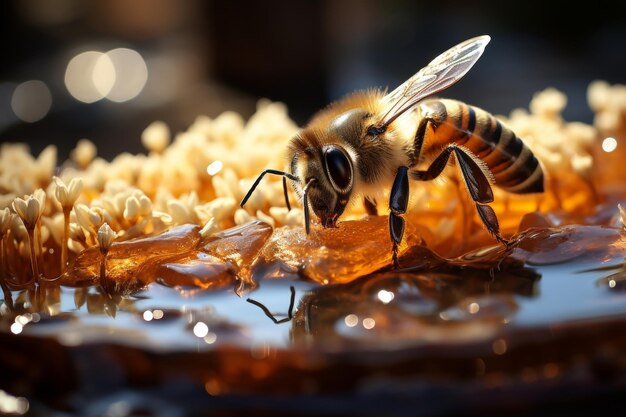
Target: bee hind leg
x,y
489,219
476,178
398,202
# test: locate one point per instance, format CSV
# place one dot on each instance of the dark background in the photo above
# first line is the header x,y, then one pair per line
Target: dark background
x,y
207,57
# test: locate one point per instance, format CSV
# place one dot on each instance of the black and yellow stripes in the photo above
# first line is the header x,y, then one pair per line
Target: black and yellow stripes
x,y
512,163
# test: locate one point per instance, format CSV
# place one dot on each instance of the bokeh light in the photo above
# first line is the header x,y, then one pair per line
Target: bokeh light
x,y
499,347
385,296
16,328
104,75
473,308
12,405
214,167
609,144
210,338
31,101
369,323
351,320
130,74
200,329
84,81
118,75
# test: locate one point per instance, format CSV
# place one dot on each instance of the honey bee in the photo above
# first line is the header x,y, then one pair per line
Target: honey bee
x,y
357,147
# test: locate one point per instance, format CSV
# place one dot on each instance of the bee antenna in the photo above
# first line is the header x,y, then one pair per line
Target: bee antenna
x,y
285,176
305,203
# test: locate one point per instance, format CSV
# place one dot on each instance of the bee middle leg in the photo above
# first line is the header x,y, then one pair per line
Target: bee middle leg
x,y
433,114
476,180
398,202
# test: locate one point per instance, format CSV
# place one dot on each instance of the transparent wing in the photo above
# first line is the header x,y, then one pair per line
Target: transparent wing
x,y
439,74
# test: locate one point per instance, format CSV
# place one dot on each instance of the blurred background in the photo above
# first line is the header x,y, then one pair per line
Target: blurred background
x,y
104,70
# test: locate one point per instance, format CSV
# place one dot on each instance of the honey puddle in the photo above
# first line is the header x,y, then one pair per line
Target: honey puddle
x,y
542,315
160,311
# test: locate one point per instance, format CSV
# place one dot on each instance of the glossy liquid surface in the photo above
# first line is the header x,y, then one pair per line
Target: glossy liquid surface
x,y
533,315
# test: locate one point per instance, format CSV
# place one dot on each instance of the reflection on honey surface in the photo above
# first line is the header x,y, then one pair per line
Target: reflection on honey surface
x,y
156,296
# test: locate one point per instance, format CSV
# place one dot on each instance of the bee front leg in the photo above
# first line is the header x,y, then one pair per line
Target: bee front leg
x,y
475,178
398,202
370,206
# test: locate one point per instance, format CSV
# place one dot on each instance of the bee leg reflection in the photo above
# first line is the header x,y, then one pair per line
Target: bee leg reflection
x,y
475,177
269,314
398,202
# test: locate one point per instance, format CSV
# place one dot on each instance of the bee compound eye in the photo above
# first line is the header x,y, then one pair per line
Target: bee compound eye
x,y
338,168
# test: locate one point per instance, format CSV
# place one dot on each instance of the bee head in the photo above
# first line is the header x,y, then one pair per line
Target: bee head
x,y
327,176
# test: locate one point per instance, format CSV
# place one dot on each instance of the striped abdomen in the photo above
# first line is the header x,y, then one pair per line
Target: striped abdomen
x,y
512,163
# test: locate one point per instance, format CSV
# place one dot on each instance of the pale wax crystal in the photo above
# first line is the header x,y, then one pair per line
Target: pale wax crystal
x,y
239,246
199,270
556,245
336,255
178,257
133,263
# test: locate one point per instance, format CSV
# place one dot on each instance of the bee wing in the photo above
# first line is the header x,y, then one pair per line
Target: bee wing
x,y
440,73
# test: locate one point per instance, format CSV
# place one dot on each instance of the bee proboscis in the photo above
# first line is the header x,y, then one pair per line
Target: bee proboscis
x,y
356,146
